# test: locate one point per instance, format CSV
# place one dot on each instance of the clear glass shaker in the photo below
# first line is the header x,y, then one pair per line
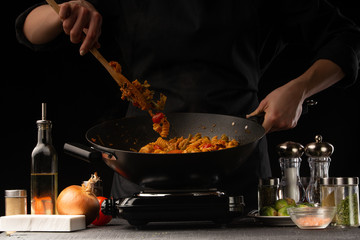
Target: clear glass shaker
x,y
290,162
318,154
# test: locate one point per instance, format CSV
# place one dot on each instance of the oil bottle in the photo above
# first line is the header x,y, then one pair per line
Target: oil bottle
x,y
44,170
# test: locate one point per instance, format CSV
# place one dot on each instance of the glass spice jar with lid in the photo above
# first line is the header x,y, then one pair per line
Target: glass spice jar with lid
x,y
342,192
267,191
15,202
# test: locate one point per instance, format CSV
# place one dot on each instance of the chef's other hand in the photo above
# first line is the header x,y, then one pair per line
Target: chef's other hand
x,y
80,16
282,108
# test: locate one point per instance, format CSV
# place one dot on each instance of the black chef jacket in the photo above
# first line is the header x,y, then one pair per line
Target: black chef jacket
x,y
208,56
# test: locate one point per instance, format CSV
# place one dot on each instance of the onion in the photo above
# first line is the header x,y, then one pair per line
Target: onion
x,y
79,200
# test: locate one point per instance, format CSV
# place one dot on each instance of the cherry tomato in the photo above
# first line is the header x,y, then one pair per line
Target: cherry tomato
x,y
101,219
157,117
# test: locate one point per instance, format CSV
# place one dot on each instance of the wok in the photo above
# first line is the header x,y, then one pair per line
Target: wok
x,y
115,139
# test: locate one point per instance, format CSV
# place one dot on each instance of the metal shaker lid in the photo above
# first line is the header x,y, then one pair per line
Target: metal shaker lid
x,y
269,181
339,181
319,148
290,149
15,193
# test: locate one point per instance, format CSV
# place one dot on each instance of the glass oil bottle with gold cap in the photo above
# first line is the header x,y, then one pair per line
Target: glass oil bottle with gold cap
x,y
44,170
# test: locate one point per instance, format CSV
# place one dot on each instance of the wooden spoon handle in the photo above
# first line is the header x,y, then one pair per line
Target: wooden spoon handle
x,y
54,5
120,79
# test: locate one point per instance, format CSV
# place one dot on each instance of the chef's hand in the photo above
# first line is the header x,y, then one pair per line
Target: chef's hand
x,y
79,16
282,108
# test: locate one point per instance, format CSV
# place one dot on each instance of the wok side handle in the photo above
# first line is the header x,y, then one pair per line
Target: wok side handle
x,y
82,152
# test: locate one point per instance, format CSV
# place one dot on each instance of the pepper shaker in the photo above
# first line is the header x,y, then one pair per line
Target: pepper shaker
x,y
318,153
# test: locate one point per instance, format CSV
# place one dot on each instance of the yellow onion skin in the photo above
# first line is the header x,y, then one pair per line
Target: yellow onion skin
x,y
74,200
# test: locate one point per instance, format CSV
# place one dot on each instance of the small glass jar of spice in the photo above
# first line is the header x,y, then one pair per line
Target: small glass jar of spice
x,y
342,192
15,202
267,191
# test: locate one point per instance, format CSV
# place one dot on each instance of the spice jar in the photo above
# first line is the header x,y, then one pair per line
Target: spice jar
x,y
15,202
342,192
267,192
318,153
290,161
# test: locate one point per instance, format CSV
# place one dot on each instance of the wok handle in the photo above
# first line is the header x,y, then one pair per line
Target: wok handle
x,y
259,118
82,152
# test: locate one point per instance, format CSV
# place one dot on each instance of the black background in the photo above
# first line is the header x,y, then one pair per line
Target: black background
x,y
29,78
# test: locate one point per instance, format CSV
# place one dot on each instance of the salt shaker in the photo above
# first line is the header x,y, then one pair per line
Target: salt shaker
x,y
290,160
318,153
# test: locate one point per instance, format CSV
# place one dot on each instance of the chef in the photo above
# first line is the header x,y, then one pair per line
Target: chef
x,y
209,56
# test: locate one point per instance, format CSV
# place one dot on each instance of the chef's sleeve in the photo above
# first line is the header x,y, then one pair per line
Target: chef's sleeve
x,y
328,33
58,42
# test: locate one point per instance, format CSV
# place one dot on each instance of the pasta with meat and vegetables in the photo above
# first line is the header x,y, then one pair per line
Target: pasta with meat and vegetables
x,y
160,123
192,144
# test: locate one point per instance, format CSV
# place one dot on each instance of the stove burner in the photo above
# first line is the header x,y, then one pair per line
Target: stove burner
x,y
176,205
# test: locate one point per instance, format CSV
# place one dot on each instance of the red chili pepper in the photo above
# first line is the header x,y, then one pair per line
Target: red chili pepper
x,y
206,145
157,117
157,147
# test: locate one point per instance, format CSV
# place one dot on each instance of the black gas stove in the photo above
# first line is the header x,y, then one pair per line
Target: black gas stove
x,y
176,205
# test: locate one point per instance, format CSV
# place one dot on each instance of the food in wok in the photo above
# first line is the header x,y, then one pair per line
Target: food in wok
x,y
192,144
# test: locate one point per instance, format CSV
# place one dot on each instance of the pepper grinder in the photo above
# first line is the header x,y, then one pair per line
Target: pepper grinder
x,y
290,160
318,154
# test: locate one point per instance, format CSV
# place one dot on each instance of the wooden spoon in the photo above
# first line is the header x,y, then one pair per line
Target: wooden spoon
x,y
137,97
